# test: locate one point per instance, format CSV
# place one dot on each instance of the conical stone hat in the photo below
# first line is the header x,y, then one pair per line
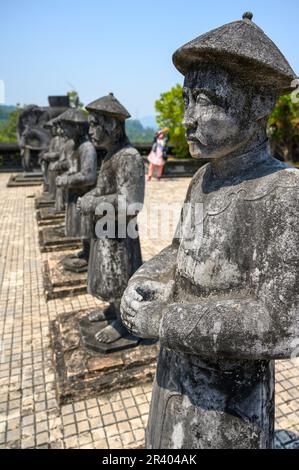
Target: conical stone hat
x,y
73,115
110,106
50,123
240,46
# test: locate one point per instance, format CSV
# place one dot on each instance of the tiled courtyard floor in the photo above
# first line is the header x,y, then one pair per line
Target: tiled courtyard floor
x,y
29,413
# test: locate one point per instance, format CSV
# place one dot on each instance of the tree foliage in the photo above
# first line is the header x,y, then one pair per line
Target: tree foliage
x,y
74,99
170,109
139,134
283,129
8,128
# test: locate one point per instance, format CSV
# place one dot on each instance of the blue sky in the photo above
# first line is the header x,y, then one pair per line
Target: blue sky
x,y
98,46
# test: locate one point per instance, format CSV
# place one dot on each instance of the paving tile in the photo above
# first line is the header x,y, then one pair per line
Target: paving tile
x,y
29,412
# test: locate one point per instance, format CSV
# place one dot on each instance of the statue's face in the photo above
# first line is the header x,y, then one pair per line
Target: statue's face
x,y
101,129
70,130
217,115
59,130
54,130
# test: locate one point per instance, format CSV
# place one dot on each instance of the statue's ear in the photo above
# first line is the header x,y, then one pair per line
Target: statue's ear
x,y
263,104
114,123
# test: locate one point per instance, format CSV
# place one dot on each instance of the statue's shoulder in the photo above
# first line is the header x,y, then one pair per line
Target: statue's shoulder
x,y
285,178
197,179
87,147
129,155
280,191
69,144
130,151
288,188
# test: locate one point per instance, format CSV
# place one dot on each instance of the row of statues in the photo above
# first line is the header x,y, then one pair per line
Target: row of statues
x,y
222,299
70,169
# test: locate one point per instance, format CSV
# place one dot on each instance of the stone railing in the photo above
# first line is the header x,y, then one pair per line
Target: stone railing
x,y
10,160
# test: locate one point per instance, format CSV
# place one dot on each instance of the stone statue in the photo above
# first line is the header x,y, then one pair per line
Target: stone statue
x,y
50,156
113,259
32,134
32,137
223,298
61,166
58,163
80,177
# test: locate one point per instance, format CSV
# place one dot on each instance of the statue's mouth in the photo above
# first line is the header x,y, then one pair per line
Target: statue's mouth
x,y
198,140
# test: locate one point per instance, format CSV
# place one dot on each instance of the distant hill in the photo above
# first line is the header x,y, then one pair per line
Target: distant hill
x,y
5,110
149,121
137,133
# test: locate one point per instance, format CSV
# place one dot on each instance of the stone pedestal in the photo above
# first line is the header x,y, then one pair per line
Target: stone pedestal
x,y
45,200
25,179
58,282
84,373
49,216
53,239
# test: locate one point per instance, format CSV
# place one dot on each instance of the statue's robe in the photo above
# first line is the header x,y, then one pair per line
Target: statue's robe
x,y
51,157
112,261
81,177
60,167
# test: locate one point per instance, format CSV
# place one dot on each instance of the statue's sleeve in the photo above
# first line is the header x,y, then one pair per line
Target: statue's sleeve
x,y
161,268
264,325
130,178
63,162
88,168
52,153
129,184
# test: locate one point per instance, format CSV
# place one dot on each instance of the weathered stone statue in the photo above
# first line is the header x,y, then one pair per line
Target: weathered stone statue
x,y
57,160
32,134
61,166
32,137
79,179
50,156
223,298
113,259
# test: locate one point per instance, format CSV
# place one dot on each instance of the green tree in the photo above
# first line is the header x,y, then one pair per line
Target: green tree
x,y
283,129
8,128
74,99
170,109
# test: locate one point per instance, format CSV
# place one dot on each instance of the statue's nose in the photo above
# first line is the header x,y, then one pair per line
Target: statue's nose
x,y
189,121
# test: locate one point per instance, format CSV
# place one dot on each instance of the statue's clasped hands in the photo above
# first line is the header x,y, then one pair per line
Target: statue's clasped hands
x,y
61,180
83,205
142,306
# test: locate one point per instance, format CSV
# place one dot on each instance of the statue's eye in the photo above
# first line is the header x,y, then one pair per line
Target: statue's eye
x,y
203,99
186,100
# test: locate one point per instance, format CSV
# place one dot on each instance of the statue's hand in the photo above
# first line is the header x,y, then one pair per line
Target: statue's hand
x,y
142,306
61,180
84,205
79,205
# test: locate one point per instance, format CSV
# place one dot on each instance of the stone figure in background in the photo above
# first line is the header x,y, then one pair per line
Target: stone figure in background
x,y
49,157
223,298
33,136
57,158
113,259
80,177
61,166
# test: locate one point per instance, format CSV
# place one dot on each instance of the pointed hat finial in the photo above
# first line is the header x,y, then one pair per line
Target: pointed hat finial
x,y
247,15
